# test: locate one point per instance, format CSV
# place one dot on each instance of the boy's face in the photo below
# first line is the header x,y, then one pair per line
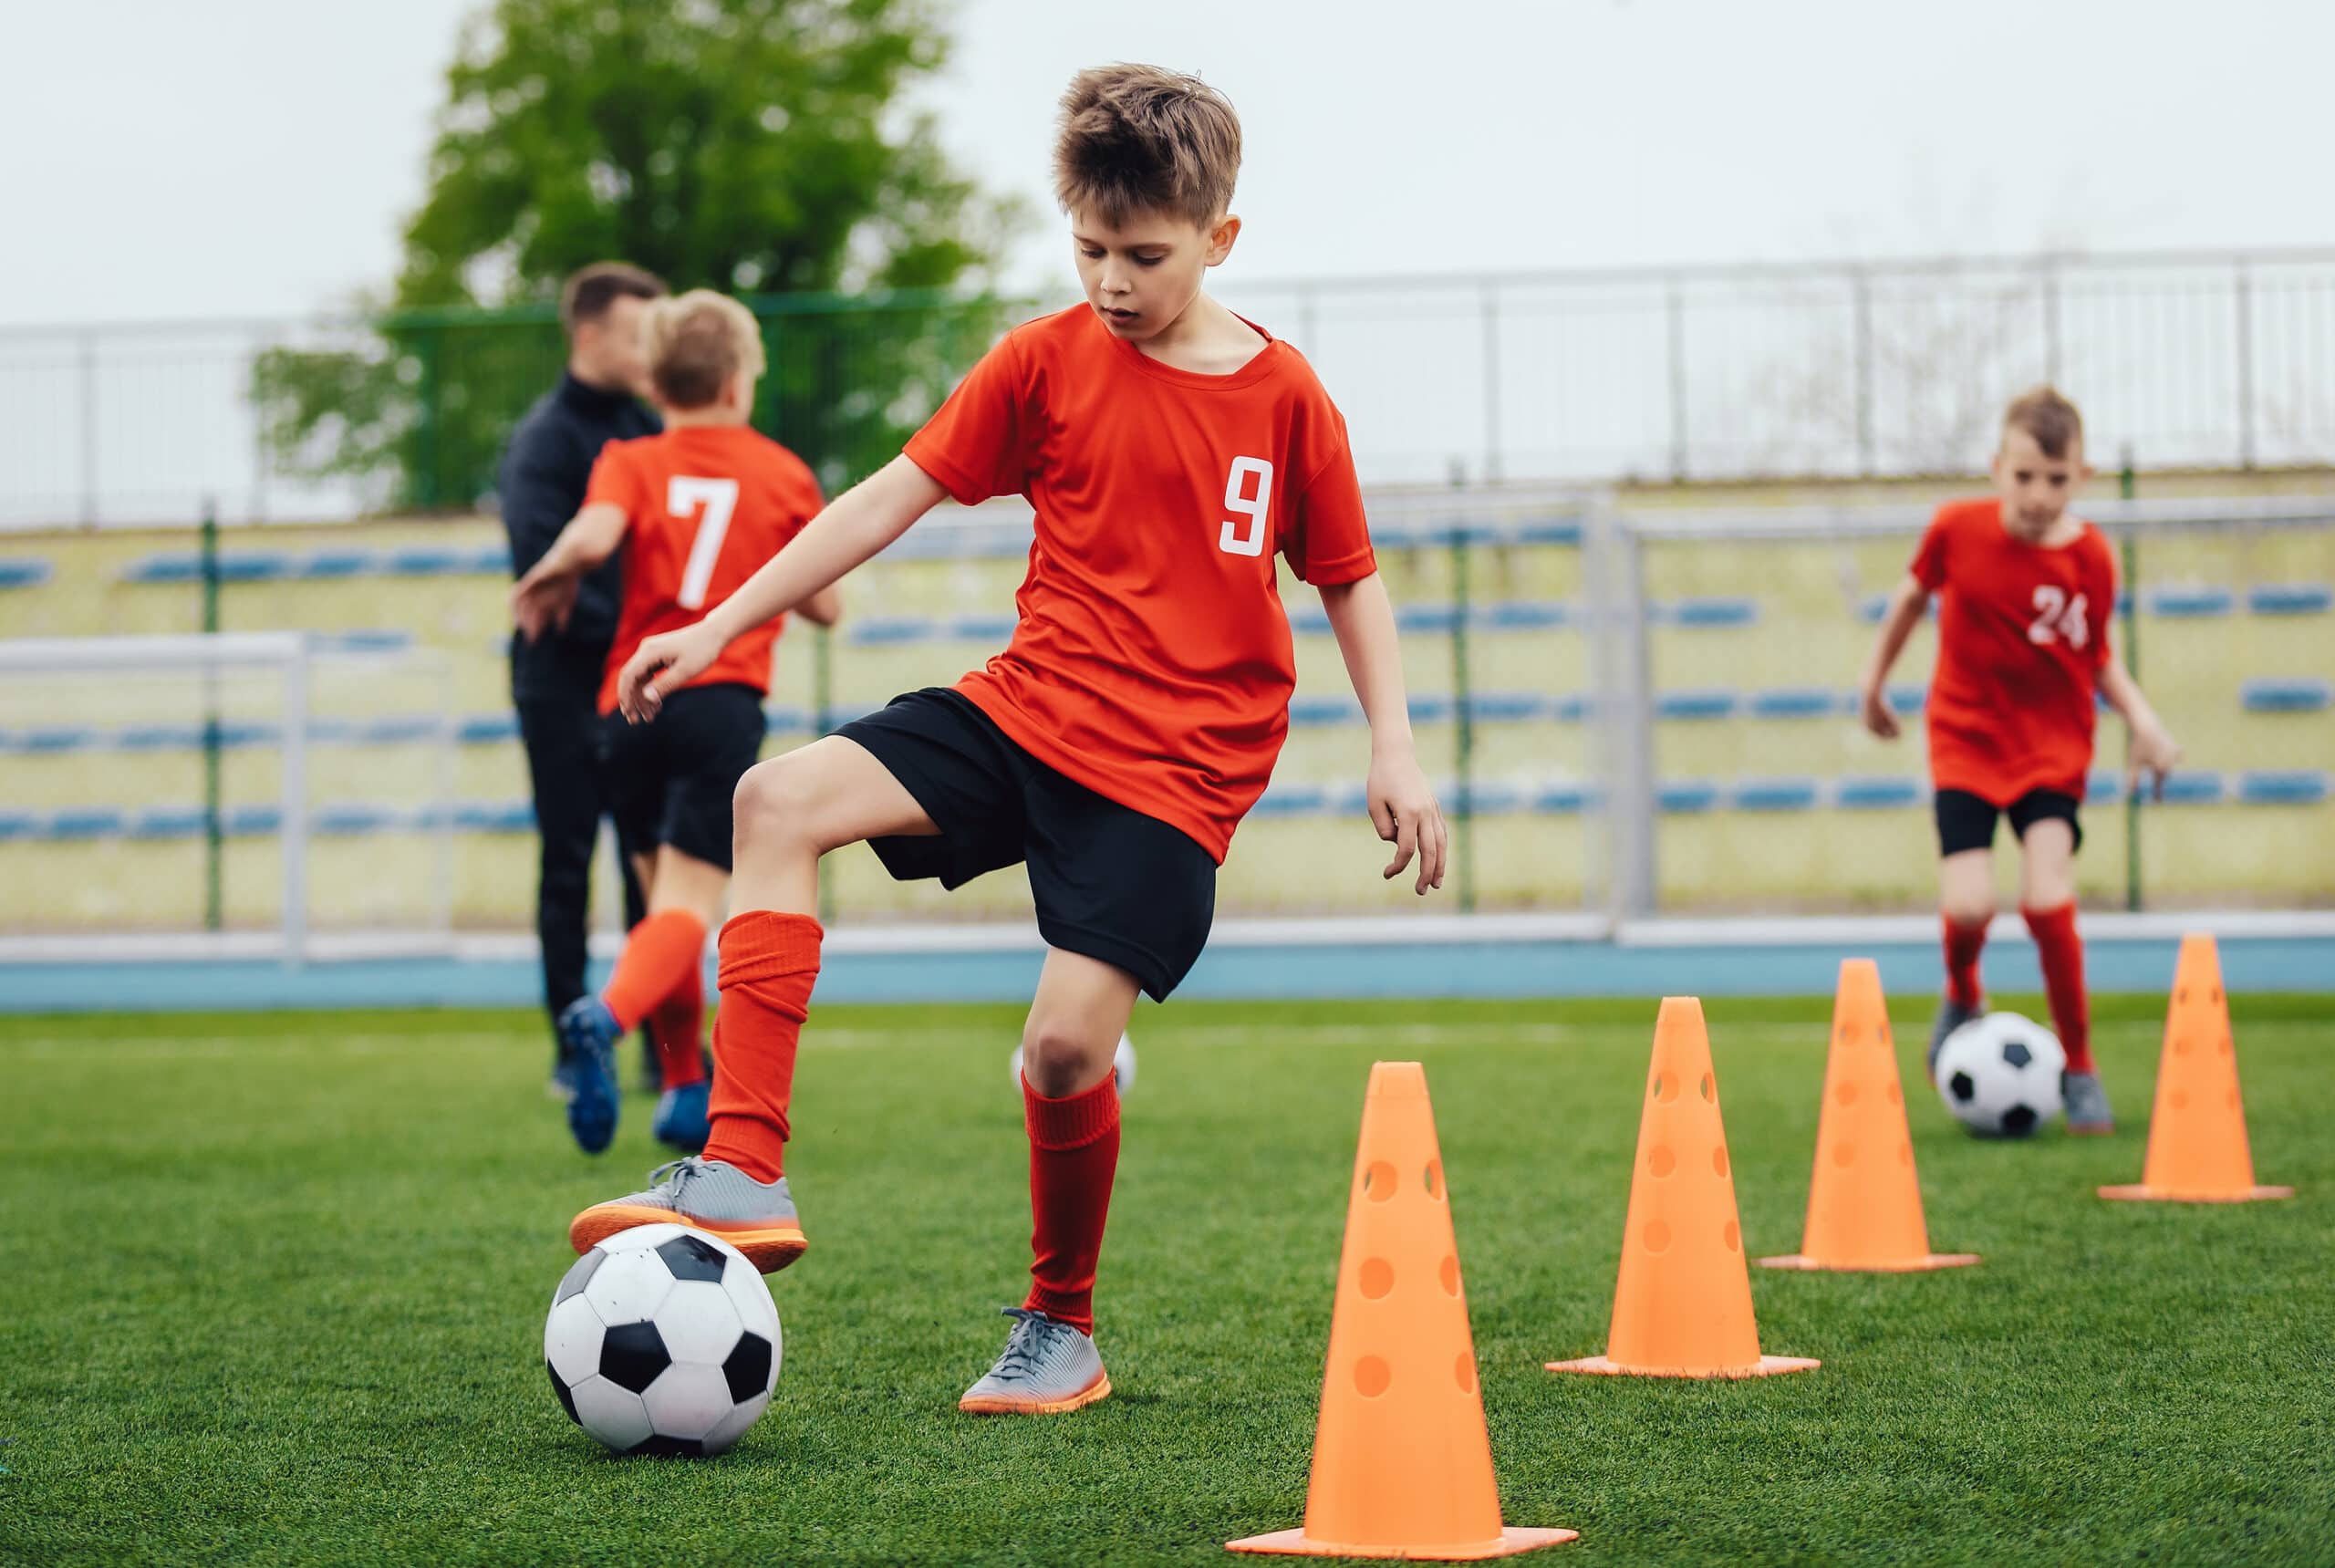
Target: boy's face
x,y
2036,489
1142,275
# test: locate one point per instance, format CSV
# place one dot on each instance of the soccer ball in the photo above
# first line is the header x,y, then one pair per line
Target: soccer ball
x,y
1122,1065
663,1340
1999,1075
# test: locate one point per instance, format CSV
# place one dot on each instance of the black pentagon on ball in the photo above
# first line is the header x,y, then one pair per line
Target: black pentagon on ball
x,y
632,1355
748,1368
572,1283
566,1400
1961,1087
692,1258
2019,1120
2016,1052
669,1448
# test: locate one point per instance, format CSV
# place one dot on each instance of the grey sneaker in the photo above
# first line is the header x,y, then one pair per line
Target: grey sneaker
x,y
712,1195
1951,1016
2087,1112
1048,1367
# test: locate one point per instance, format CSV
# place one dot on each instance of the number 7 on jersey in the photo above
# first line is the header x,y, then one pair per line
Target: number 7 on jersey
x,y
719,497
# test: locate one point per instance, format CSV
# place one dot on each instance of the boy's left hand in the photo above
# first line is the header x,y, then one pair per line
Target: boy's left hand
x,y
1405,811
2154,752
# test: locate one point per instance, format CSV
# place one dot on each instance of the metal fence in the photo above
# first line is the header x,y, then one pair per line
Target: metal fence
x,y
1840,368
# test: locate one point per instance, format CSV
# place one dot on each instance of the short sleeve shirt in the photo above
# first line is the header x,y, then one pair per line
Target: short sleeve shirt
x,y
705,506
1152,660
2022,640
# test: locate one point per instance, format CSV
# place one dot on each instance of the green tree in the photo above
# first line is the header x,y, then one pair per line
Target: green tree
x,y
757,146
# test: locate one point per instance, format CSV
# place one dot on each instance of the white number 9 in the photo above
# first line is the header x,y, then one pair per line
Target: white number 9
x,y
1230,538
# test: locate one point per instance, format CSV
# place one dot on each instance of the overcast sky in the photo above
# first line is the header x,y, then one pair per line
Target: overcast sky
x,y
257,157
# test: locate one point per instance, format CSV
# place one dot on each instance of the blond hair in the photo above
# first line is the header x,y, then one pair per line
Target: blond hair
x,y
1141,138
2045,415
696,342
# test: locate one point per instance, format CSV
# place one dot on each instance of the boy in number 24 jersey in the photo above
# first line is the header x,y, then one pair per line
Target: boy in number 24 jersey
x,y
2027,595
695,510
1171,450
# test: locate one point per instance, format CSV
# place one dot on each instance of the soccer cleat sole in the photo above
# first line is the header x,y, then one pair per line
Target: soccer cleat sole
x,y
768,1248
1004,1405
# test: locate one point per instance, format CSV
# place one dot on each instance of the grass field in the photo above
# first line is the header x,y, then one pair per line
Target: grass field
x,y
273,1290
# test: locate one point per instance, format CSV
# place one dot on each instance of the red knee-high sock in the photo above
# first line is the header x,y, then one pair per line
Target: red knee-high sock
x,y
770,960
677,1026
1963,946
1074,1154
2063,954
660,954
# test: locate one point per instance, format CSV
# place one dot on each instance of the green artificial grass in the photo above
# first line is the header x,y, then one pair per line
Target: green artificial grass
x,y
272,1290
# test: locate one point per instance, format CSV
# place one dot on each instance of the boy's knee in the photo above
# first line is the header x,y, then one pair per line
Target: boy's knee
x,y
776,799
1968,910
1060,1057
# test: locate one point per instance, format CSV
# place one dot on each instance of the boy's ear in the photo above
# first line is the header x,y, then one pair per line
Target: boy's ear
x,y
1220,238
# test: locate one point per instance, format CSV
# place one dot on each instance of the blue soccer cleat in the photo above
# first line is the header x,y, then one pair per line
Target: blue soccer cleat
x,y
681,1117
587,1042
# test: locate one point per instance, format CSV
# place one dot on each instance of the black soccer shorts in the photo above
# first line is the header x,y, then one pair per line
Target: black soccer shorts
x,y
672,780
1110,882
1967,821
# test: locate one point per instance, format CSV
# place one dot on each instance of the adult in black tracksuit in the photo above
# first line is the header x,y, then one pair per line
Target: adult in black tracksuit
x,y
555,680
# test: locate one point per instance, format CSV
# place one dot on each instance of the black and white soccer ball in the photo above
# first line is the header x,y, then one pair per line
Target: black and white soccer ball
x,y
1122,1065
1999,1075
663,1340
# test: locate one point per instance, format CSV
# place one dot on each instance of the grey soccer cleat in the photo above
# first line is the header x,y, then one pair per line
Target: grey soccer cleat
x,y
713,1195
2087,1112
1951,1016
1048,1367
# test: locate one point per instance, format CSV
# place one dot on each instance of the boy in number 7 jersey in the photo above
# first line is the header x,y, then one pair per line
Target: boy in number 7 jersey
x,y
1171,450
695,510
2026,594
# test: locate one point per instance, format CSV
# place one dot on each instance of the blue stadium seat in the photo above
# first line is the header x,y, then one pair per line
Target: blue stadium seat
x,y
1560,531
1795,702
2289,786
1490,799
45,738
167,567
1506,707
158,738
982,627
1686,796
1309,621
1314,712
2102,787
1430,709
428,561
16,825
1563,800
186,566
1422,618
1709,612
506,817
487,729
2290,599
397,730
1525,615
2284,696
1877,793
1292,800
2190,603
890,630
1775,794
375,639
2191,789
170,822
1909,699
23,572
334,565
346,820
488,560
1709,703
782,721
1570,708
255,821
87,822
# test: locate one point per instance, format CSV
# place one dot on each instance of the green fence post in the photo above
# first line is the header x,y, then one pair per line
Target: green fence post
x,y
214,899
1463,715
425,431
2131,617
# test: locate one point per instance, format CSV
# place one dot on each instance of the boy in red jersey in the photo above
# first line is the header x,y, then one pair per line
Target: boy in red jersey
x,y
2027,593
1171,450
695,510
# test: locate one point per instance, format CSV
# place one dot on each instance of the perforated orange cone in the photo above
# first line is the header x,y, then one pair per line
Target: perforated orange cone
x,y
1865,1202
1402,1463
2199,1151
1683,1305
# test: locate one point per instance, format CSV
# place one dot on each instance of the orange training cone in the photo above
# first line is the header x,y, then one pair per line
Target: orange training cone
x,y
1865,1203
1683,1305
1402,1463
2198,1148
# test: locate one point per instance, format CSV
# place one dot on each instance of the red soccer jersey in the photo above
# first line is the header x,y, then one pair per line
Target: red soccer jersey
x,y
2022,638
706,505
1152,659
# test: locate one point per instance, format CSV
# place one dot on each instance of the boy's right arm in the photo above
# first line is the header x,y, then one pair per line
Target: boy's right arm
x,y
852,527
1898,622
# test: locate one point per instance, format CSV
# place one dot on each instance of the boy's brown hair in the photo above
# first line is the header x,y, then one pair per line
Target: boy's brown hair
x,y
1141,138
696,342
586,294
2048,417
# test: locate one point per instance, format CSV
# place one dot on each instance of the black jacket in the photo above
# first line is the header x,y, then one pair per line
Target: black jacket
x,y
545,471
